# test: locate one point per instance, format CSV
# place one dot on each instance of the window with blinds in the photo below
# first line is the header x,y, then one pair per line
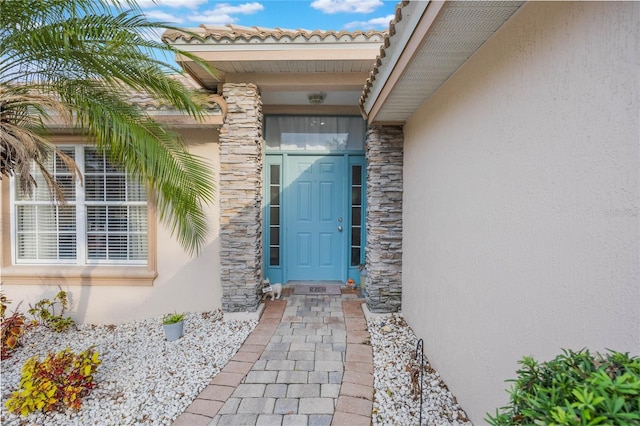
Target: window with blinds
x,y
104,220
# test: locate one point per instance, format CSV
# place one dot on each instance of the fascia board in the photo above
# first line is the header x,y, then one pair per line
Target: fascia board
x,y
403,47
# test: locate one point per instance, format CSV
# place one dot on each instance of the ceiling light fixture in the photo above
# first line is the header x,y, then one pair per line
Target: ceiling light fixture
x,y
316,98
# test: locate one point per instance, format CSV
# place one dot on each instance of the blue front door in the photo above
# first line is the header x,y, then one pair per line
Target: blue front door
x,y
315,213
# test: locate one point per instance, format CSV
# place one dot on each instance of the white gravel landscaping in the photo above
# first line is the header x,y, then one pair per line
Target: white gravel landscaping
x,y
143,379
394,350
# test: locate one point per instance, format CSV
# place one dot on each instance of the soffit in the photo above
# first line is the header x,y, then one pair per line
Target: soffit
x,y
436,43
290,62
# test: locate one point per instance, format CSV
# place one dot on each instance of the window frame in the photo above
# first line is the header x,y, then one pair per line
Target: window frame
x,y
62,272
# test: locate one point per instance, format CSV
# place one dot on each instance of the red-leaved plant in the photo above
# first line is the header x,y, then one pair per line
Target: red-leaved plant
x,y
11,328
61,380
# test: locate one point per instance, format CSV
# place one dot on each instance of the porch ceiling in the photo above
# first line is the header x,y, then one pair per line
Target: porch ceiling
x,y
287,65
429,41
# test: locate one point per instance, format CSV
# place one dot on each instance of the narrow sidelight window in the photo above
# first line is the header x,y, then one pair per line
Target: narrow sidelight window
x,y
274,215
356,214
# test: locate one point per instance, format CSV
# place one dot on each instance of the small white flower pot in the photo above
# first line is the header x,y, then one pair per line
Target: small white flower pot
x,y
173,331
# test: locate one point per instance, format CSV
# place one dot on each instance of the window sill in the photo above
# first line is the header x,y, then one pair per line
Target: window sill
x,y
77,275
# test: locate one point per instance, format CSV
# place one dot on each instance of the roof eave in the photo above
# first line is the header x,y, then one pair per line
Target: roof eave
x,y
406,34
403,78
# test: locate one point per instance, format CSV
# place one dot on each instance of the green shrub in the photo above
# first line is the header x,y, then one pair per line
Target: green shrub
x,y
575,388
61,380
44,312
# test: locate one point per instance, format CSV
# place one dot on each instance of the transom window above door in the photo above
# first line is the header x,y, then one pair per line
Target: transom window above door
x,y
314,133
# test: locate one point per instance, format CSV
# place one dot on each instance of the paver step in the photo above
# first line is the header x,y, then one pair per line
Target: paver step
x,y
307,362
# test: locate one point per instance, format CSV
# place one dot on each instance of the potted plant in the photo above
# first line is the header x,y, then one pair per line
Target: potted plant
x,y
173,326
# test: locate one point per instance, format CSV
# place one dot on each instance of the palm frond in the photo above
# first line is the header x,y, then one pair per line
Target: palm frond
x,y
87,60
22,140
152,155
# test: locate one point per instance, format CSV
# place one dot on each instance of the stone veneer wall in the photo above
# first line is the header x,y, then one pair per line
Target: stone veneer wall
x,y
384,218
240,192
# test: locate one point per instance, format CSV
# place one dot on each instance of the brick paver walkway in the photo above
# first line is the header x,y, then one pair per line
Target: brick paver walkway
x,y
308,362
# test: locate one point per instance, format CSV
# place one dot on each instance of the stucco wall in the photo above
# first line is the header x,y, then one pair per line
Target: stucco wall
x,y
183,283
521,205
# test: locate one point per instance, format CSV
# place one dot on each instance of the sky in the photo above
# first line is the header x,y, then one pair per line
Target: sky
x,y
337,15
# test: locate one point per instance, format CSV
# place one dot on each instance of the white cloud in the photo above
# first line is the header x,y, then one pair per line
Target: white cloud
x,y
243,9
348,6
190,4
158,15
381,23
213,18
223,13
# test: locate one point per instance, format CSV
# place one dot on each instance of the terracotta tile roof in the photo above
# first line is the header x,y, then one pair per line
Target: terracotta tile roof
x,y
146,102
392,31
212,104
218,33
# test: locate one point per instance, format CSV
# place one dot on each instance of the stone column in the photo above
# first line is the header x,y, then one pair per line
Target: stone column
x,y
384,218
240,192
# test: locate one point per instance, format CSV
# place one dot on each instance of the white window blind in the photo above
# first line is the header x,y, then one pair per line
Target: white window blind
x,y
103,221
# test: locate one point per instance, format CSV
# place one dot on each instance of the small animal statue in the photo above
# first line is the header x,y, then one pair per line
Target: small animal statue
x,y
273,290
416,386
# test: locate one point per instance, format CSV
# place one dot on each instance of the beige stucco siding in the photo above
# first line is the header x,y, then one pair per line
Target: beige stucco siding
x,y
521,199
183,283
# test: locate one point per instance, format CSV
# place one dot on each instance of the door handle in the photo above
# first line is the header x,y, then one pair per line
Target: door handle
x,y
339,228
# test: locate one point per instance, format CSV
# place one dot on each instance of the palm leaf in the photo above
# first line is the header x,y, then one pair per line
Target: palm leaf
x,y
21,140
86,60
149,153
